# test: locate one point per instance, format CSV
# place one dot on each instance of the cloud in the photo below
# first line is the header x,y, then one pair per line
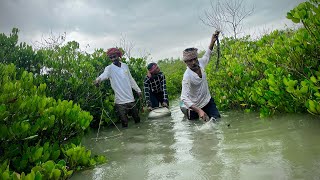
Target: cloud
x,y
163,28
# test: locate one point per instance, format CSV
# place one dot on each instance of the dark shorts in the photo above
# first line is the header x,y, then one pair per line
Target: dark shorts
x,y
157,98
210,109
123,110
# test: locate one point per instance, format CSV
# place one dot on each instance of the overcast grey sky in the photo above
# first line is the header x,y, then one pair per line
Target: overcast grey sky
x,y
163,28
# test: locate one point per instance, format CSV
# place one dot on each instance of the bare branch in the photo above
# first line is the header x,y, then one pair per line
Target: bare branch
x,y
213,17
50,42
127,46
229,13
144,54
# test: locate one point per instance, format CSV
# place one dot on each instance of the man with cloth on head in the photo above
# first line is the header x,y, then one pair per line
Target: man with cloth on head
x,y
122,84
195,91
155,88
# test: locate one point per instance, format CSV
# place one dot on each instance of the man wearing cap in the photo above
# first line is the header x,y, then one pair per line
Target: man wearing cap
x,y
195,91
122,84
155,88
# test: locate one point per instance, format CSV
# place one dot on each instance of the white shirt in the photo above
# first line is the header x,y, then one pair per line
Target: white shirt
x,y
122,82
195,90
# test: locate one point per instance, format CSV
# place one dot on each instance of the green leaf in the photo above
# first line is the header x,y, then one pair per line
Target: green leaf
x,y
30,176
311,106
3,131
56,173
45,157
304,89
38,176
4,166
69,173
5,175
48,166
313,79
295,20
289,15
62,162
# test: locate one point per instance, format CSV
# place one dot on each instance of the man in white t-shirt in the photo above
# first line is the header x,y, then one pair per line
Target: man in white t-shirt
x,y
195,91
122,84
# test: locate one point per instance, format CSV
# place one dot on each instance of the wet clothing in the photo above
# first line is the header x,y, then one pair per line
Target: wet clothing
x,y
155,90
210,109
122,110
122,84
195,90
156,98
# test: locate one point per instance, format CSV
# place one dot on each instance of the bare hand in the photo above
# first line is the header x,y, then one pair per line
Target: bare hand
x,y
97,82
213,39
203,115
139,94
149,108
215,35
206,118
164,104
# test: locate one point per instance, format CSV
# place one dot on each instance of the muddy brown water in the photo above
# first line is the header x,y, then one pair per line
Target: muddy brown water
x,y
240,146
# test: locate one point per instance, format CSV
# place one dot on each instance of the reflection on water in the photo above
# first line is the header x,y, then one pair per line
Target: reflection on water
x,y
240,146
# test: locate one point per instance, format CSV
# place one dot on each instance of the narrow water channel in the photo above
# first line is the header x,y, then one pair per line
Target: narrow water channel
x,y
240,146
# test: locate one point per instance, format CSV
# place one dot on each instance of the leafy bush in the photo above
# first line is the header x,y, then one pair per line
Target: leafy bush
x,y
30,122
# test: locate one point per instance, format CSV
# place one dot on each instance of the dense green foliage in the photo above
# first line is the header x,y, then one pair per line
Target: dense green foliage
x,y
35,130
48,100
69,73
41,96
43,104
22,55
276,73
173,71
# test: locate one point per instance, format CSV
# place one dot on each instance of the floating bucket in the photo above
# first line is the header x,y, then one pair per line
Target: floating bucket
x,y
159,113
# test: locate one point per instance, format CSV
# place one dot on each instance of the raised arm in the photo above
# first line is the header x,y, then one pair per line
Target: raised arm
x,y
213,39
204,60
